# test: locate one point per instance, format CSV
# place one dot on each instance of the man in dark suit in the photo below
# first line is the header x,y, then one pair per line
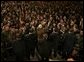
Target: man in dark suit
x,y
49,39
43,48
56,40
53,42
80,43
19,49
69,43
30,40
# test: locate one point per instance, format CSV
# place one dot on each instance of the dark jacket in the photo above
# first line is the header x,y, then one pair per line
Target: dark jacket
x,y
69,42
43,48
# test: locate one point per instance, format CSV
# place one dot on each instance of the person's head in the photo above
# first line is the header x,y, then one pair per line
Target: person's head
x,y
20,30
43,23
67,26
61,21
75,28
44,15
63,28
7,28
72,22
39,27
81,18
54,29
64,17
58,26
26,24
51,17
12,28
81,32
60,16
33,28
54,24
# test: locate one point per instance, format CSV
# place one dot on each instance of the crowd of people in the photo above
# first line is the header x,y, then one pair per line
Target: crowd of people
x,y
43,25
